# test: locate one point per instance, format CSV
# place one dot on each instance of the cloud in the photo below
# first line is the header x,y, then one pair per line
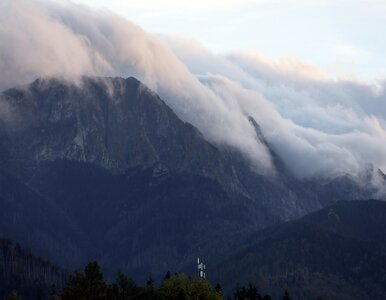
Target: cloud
x,y
319,126
33,44
54,39
308,151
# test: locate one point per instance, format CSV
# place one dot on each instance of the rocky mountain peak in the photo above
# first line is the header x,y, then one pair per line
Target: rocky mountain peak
x,y
113,122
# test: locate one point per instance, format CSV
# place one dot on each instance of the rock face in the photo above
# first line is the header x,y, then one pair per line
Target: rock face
x,y
114,123
105,168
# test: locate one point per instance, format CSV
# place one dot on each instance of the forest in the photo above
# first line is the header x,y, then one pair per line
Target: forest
x,y
89,284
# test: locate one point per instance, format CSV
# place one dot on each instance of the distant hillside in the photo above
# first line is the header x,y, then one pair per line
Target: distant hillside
x,y
338,253
32,277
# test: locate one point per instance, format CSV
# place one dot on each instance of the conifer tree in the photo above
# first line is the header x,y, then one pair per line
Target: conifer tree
x,y
12,296
126,286
286,296
167,275
86,285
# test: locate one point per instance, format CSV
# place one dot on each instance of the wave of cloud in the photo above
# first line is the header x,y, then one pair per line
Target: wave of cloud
x,y
318,126
50,39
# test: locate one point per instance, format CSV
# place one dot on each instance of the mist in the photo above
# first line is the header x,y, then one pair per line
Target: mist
x,y
319,126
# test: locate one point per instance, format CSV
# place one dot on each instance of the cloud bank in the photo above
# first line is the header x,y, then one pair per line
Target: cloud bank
x,y
318,126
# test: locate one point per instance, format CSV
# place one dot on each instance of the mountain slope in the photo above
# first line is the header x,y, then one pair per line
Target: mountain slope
x,y
110,172
338,252
106,157
148,218
120,124
115,123
28,217
32,277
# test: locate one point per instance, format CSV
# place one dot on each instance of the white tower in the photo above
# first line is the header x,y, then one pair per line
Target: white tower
x,y
201,268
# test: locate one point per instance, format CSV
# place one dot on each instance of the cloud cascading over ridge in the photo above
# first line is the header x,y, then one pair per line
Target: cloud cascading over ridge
x,y
318,126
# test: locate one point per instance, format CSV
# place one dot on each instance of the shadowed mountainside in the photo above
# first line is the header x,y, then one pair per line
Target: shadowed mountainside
x,y
105,168
338,252
31,276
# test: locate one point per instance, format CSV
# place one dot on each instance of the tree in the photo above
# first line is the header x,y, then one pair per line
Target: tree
x,y
183,287
150,281
218,288
252,292
126,287
167,275
54,294
12,296
249,293
86,285
286,296
237,292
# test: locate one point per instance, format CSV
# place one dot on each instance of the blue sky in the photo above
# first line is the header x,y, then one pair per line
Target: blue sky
x,y
344,37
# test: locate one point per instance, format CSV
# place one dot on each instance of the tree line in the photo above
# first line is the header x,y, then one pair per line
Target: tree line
x,y
89,284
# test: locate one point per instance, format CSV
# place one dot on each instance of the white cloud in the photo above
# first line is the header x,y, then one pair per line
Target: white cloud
x,y
68,40
318,126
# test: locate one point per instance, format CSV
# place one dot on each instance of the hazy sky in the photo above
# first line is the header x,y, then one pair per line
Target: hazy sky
x,y
344,37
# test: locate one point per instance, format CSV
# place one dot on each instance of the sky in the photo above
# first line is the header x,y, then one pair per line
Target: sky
x,y
343,37
217,64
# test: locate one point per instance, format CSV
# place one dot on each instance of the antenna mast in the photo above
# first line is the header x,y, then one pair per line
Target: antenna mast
x,y
201,268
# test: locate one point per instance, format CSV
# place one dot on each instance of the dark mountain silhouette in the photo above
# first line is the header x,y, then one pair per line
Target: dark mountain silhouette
x,y
338,253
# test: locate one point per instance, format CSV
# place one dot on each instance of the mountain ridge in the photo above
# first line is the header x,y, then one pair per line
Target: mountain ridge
x,y
311,257
104,153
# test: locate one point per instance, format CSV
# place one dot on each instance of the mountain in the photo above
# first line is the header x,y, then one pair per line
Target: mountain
x,y
336,253
32,277
103,169
119,124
